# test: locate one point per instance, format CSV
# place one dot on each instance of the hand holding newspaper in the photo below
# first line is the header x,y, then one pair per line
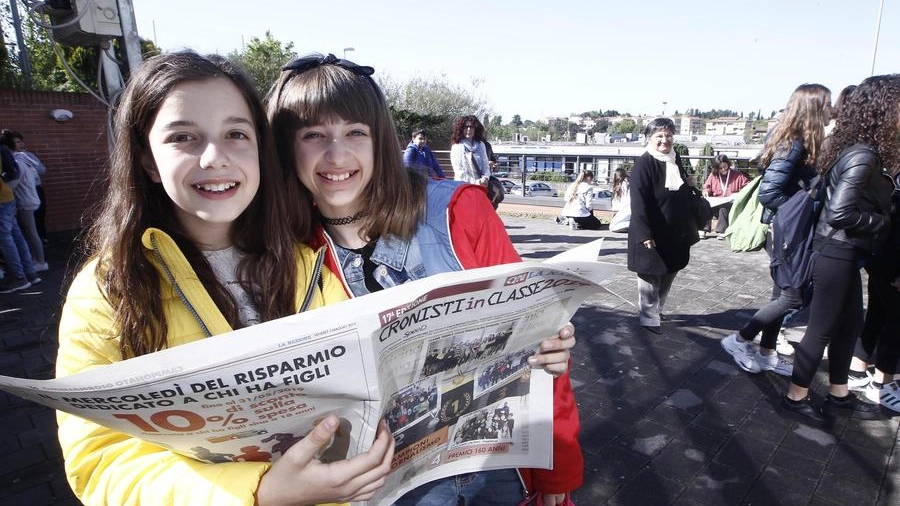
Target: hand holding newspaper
x,y
443,360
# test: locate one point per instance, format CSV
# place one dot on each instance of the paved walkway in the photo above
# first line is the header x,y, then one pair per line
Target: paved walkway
x,y
665,419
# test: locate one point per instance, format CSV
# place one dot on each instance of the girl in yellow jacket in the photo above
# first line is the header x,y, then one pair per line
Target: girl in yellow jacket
x,y
192,241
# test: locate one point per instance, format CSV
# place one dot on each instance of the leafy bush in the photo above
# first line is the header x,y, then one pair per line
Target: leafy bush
x,y
554,177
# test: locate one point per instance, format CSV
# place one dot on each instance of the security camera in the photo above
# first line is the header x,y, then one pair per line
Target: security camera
x,y
61,115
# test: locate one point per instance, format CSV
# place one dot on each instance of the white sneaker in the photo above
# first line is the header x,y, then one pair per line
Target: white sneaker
x,y
890,395
859,384
744,352
783,346
775,363
871,393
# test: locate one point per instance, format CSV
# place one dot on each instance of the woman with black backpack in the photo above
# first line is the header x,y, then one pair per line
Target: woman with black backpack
x,y
789,157
856,164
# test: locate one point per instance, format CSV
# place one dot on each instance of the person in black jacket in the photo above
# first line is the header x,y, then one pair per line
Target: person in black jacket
x,y
856,163
788,157
662,227
879,342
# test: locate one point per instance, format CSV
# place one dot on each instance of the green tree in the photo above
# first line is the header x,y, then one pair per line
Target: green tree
x,y
262,59
516,121
626,126
682,150
432,103
49,60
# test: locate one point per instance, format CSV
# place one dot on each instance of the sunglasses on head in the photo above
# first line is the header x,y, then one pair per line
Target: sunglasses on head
x,y
310,62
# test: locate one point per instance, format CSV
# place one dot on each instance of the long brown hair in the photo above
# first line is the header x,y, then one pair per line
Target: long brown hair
x,y
133,203
870,115
394,199
804,119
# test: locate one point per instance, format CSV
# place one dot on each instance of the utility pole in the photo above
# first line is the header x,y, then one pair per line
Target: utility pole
x,y
131,40
877,33
24,61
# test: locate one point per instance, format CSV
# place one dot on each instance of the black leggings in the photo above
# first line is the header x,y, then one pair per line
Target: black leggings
x,y
835,321
589,222
769,318
880,338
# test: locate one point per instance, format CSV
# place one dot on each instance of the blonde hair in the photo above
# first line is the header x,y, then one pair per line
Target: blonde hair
x,y
571,191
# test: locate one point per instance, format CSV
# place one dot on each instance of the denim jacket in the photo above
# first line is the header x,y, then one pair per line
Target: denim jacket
x,y
428,252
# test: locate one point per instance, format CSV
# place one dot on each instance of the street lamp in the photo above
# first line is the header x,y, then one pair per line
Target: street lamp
x,y
347,49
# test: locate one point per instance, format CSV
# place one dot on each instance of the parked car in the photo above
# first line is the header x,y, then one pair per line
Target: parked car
x,y
507,184
603,197
535,189
602,194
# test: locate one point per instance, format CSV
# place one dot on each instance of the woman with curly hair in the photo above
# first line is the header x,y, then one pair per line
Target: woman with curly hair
x,y
789,157
856,164
468,155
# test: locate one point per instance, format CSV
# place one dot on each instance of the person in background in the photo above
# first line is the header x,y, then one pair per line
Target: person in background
x,y
789,157
21,151
191,242
784,347
838,104
27,200
19,270
621,190
879,342
468,155
577,208
722,182
857,165
492,158
662,228
335,132
620,202
418,156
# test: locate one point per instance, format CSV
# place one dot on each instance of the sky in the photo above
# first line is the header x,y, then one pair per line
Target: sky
x,y
540,58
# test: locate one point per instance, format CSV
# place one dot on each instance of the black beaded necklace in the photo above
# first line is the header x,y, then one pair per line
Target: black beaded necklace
x,y
346,220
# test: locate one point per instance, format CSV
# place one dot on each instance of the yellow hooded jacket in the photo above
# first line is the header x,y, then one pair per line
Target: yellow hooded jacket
x,y
107,467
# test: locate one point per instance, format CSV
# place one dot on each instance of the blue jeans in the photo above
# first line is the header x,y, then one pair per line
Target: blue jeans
x,y
500,487
12,243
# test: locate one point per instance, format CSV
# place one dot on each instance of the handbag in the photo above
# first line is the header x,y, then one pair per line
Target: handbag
x,y
700,208
538,500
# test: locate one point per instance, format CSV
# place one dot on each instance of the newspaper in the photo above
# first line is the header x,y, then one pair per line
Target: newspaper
x,y
443,360
720,201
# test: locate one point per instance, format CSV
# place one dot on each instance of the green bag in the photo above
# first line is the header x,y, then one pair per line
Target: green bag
x,y
745,231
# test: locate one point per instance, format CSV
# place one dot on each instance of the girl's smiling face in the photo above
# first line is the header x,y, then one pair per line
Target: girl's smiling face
x,y
205,154
335,160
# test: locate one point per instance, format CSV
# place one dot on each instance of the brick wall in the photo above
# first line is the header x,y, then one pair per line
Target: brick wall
x,y
74,151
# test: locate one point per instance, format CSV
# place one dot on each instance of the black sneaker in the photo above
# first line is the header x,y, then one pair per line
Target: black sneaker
x,y
804,408
33,278
9,285
850,405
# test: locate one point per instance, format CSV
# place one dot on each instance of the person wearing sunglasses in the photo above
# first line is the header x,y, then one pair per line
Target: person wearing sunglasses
x,y
383,225
468,154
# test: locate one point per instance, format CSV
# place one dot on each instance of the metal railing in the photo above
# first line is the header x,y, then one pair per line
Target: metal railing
x,y
602,165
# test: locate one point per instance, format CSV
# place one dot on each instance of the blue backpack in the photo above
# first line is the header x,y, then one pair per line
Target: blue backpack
x,y
793,230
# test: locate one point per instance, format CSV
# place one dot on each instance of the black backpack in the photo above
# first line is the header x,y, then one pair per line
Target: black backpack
x,y
793,230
